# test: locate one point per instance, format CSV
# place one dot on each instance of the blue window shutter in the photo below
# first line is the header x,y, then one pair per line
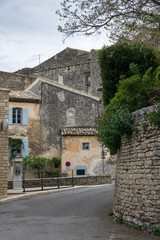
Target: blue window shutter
x,y
10,115
25,116
25,149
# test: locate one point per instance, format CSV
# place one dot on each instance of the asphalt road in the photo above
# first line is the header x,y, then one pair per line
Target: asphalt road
x,y
80,214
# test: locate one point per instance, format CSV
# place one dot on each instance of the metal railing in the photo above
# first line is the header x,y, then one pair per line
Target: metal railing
x,y
42,182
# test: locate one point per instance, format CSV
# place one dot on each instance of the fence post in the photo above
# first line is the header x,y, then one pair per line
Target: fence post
x,y
23,181
58,180
72,179
42,181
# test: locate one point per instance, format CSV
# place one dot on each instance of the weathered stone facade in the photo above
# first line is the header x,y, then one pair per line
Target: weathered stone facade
x,y
62,106
4,102
70,67
15,81
137,192
68,88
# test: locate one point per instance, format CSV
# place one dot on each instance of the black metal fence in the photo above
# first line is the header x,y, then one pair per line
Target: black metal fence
x,y
44,183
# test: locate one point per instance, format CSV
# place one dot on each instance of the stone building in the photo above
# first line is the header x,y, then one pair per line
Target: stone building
x,y
68,90
63,107
72,67
24,124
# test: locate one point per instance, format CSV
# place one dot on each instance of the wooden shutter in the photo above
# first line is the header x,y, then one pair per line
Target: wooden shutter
x,y
25,116
25,148
10,115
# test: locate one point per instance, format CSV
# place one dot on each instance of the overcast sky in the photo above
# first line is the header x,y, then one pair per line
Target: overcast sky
x,y
28,28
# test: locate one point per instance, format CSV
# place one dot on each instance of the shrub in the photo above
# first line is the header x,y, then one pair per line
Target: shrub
x,y
114,63
41,164
133,94
112,125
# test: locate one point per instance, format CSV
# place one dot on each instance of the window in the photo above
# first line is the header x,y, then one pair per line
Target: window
x,y
87,83
80,170
85,146
16,115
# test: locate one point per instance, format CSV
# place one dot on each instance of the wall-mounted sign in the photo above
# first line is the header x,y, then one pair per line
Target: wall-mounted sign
x,y
68,164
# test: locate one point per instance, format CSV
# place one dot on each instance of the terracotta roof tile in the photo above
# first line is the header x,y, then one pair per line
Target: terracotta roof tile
x,y
78,131
20,96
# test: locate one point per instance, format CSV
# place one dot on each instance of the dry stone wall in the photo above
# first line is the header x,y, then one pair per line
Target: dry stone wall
x,y
3,142
137,192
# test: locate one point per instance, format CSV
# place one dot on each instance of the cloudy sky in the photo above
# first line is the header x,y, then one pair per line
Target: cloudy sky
x,y
28,29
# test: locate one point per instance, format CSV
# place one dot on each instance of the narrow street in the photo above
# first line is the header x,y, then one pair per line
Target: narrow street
x,y
80,214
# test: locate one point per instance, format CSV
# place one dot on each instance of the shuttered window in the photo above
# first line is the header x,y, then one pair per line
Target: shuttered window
x,y
18,116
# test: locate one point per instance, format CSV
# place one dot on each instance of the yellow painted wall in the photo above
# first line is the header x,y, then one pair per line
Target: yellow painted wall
x,y
72,152
34,131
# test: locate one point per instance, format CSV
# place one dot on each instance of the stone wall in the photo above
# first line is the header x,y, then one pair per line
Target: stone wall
x,y
15,81
4,100
137,192
78,181
96,89
69,67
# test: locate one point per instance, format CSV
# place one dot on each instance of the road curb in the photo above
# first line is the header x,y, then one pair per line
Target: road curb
x,y
44,192
34,194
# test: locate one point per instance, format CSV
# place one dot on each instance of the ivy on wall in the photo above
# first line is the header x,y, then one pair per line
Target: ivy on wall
x,y
14,145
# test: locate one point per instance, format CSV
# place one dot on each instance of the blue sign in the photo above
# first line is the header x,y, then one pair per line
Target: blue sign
x,y
68,164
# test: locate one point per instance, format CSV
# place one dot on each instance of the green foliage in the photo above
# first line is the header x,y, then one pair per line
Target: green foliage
x,y
114,64
144,126
110,214
135,91
112,125
136,226
154,116
120,218
14,146
156,231
40,164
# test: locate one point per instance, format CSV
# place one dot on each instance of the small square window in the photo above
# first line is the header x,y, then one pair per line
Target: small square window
x,y
85,146
80,172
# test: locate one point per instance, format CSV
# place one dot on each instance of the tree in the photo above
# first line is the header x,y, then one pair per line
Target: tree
x,y
114,64
115,16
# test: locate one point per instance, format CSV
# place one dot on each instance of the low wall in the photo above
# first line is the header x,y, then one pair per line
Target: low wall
x,y
137,190
78,181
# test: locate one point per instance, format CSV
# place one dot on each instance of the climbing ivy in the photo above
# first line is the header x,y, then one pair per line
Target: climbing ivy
x,y
14,145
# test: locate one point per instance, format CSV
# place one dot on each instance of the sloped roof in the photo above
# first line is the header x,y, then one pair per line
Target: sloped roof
x,y
67,57
40,80
78,131
20,96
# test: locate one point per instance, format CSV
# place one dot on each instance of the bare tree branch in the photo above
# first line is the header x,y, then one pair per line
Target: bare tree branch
x,y
92,16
